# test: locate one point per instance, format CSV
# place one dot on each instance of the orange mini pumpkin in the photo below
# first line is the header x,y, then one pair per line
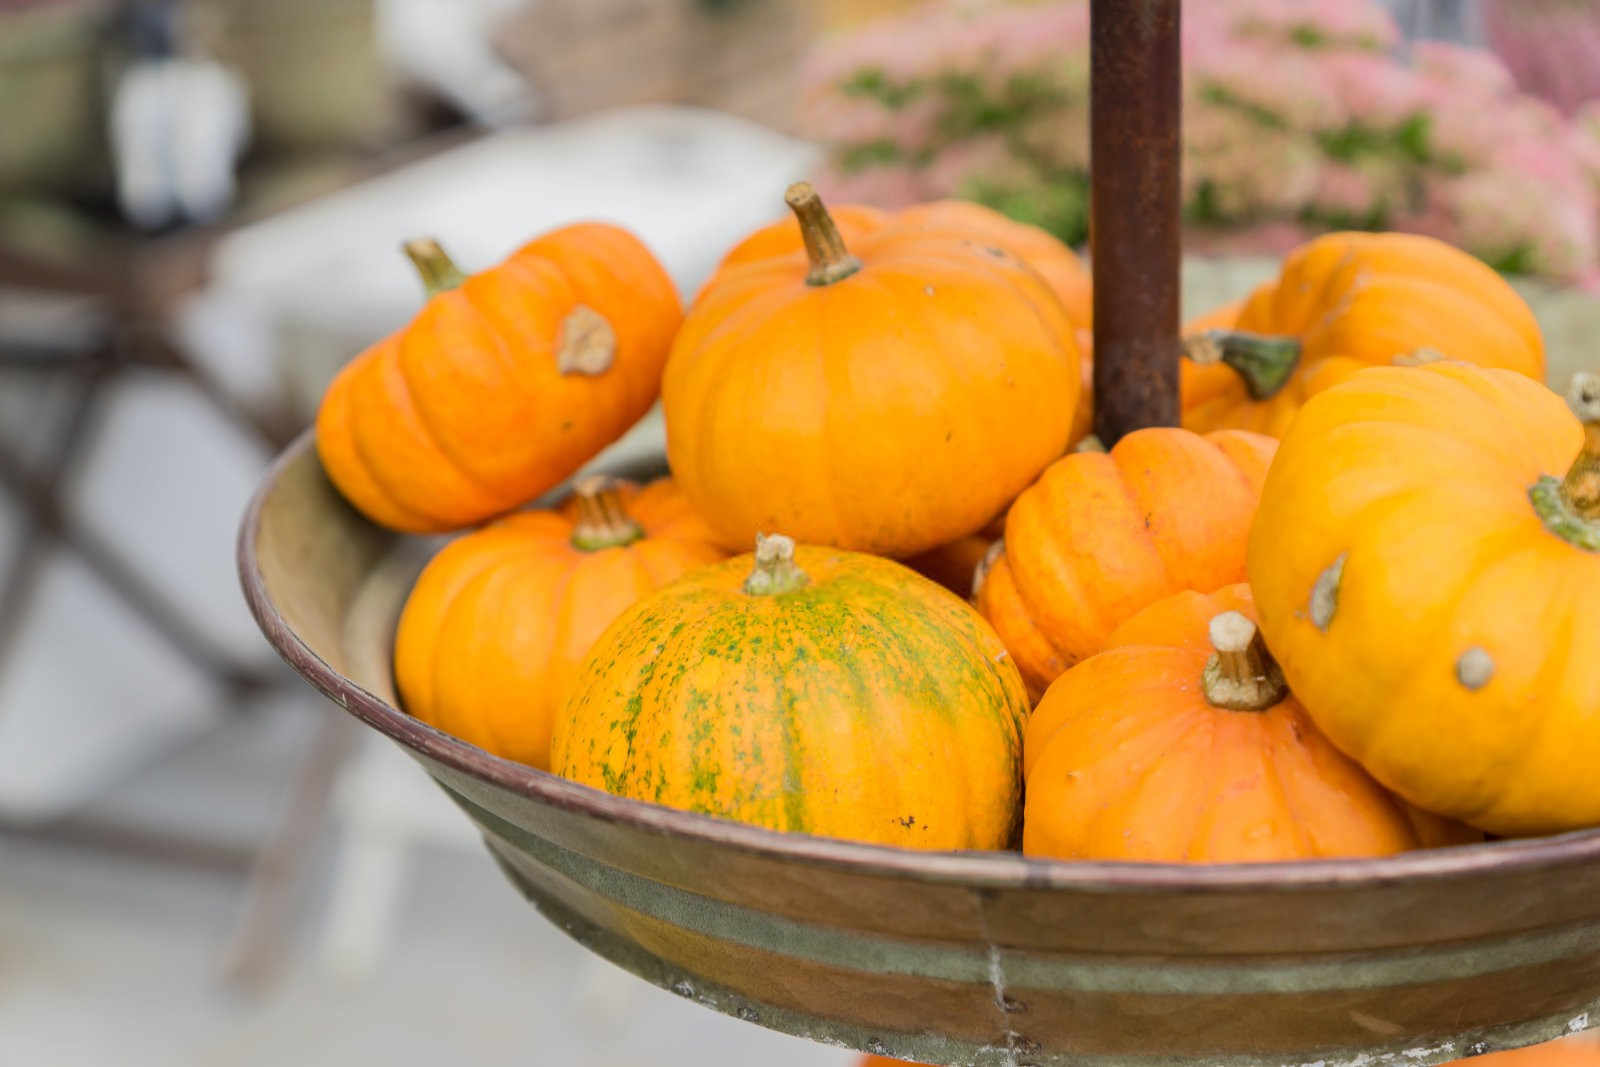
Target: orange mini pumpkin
x,y
1102,535
1345,301
499,620
1065,273
886,401
1180,742
504,384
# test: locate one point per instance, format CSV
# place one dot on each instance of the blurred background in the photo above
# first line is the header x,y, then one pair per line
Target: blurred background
x,y
200,208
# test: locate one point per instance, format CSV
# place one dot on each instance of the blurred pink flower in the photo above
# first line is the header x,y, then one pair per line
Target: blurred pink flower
x,y
1347,23
989,158
1552,47
1271,80
1584,140
890,187
1464,70
1289,106
1344,190
1372,89
1499,214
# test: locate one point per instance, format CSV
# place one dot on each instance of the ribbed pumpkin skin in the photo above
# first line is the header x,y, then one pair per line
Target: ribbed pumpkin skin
x,y
1362,299
897,409
1102,535
465,413
1061,269
870,705
1125,759
1418,479
499,620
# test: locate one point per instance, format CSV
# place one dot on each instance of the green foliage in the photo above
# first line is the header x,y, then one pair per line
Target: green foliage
x,y
1220,95
1058,203
1517,260
873,84
858,157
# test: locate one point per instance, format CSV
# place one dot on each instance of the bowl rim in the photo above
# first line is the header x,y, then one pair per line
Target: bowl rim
x,y
976,869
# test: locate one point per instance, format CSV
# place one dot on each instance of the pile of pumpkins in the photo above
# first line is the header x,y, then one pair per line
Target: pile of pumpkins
x,y
1341,612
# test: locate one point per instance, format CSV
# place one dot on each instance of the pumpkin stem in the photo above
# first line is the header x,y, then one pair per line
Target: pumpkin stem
x,y
1265,362
602,520
775,571
1242,675
439,273
1581,487
830,260
1089,443
1570,507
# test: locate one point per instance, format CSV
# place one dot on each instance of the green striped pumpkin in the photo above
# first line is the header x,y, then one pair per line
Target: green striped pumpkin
x,y
812,690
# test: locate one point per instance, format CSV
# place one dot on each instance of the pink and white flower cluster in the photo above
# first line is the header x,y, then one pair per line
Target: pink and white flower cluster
x,y
1299,114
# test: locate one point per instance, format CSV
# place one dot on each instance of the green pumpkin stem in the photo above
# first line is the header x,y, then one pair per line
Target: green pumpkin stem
x,y
830,260
602,520
1263,361
439,273
1570,506
775,571
1241,675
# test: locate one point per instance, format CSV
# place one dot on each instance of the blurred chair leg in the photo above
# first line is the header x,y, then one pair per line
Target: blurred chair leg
x,y
259,942
364,898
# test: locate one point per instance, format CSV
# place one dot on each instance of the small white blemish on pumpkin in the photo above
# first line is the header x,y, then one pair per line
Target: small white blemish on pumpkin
x,y
1474,668
928,289
1325,593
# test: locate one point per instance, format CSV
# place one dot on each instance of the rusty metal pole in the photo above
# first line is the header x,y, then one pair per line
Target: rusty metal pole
x,y
1134,149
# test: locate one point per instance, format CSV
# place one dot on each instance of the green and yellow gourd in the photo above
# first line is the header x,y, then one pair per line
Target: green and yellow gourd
x,y
806,689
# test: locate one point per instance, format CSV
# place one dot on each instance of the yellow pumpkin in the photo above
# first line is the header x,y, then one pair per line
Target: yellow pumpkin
x,y
886,400
1426,561
499,620
806,689
1342,302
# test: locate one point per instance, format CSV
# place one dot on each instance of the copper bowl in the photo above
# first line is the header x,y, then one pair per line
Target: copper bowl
x,y
962,958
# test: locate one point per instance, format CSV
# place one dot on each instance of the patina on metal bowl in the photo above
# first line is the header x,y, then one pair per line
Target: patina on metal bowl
x,y
958,958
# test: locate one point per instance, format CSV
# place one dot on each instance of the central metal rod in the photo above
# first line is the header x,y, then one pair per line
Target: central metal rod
x,y
1135,105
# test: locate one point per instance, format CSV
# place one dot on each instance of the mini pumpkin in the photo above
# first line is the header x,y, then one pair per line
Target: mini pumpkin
x,y
964,220
1427,564
496,626
1102,535
886,401
1345,301
1180,742
811,690
504,384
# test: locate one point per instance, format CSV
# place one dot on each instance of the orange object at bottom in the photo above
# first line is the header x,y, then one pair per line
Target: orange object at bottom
x,y
1582,1050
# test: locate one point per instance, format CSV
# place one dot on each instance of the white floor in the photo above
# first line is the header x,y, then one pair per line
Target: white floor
x,y
107,961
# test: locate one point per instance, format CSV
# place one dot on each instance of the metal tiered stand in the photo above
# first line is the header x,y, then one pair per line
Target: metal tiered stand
x,y
986,958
